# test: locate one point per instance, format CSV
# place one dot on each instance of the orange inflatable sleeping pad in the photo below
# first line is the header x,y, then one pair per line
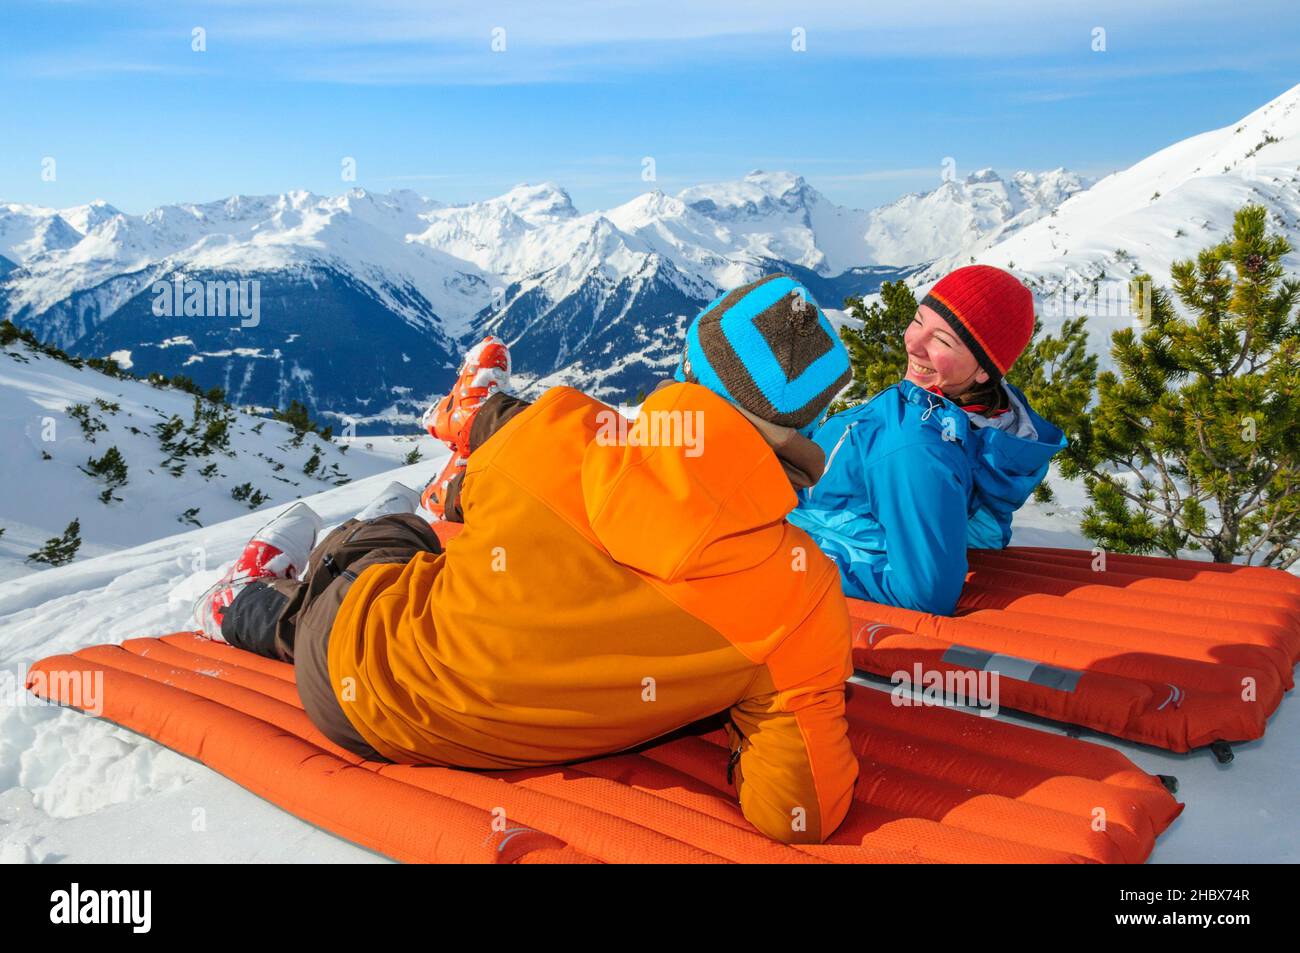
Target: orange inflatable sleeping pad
x,y
1167,652
936,784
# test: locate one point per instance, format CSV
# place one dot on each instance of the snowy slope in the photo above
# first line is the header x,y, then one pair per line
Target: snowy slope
x,y
1165,208
73,789
47,447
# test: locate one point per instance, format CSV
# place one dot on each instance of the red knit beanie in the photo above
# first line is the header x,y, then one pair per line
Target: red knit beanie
x,y
989,310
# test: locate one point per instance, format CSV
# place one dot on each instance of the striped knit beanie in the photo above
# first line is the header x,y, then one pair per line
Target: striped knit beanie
x,y
989,310
768,348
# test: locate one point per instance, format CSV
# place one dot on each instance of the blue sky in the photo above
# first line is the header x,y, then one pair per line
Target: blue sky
x,y
584,91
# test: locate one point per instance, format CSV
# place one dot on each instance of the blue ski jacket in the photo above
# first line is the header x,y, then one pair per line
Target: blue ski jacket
x,y
911,482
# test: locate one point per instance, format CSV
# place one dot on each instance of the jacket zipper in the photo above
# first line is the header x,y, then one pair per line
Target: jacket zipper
x,y
831,459
734,759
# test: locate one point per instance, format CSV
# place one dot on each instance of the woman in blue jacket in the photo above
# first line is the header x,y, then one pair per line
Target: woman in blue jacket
x,y
938,462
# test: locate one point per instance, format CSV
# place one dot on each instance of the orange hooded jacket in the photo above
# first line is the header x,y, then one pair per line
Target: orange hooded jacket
x,y
603,594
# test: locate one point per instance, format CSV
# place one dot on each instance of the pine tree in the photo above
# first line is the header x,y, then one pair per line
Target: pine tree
x,y
111,468
296,416
60,550
299,420
875,349
1194,443
89,425
246,493
216,436
1057,375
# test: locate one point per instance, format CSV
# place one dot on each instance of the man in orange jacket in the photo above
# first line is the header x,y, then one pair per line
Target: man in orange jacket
x,y
614,582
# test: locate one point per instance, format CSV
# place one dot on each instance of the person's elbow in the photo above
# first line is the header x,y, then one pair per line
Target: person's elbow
x,y
800,825
936,593
987,530
792,807
784,831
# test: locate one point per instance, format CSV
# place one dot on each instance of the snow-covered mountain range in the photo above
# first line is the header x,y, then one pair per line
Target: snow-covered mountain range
x,y
365,300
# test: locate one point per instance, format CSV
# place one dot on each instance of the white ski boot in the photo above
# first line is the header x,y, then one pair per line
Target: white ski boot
x,y
396,498
279,550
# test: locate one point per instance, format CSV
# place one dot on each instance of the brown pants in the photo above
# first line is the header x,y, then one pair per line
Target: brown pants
x,y
291,619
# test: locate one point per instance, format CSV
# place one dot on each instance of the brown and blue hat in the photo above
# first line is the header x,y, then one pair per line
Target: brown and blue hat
x,y
767,347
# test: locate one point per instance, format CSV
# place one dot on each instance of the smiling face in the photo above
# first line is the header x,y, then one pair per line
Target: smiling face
x,y
937,357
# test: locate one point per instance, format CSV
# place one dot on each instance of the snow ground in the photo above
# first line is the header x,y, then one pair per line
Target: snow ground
x,y
74,789
46,450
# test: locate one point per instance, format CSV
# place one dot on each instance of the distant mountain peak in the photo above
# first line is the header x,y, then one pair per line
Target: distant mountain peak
x,y
758,194
543,202
964,215
778,182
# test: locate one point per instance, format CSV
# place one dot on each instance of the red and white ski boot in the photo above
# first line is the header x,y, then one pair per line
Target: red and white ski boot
x,y
279,550
485,371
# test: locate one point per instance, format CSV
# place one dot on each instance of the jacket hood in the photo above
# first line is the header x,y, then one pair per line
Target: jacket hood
x,y
688,489
1010,452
